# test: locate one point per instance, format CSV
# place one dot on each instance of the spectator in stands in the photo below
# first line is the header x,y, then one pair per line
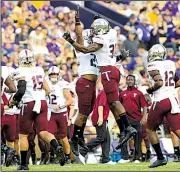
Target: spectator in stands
x,y
175,38
144,32
162,26
74,69
170,24
8,36
153,15
154,35
142,12
66,75
135,98
131,43
171,55
23,37
53,46
120,37
143,54
130,25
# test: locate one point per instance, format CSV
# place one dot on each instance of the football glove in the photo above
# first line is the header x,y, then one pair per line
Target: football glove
x,y
150,90
67,37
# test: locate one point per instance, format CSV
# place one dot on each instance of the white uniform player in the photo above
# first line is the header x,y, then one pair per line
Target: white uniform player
x,y
56,96
105,56
88,62
34,76
167,71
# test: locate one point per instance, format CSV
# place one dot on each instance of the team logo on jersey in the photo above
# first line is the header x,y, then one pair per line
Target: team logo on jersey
x,y
124,95
135,94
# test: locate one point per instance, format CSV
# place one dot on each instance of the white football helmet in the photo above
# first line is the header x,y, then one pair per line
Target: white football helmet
x,y
54,70
100,26
26,57
157,52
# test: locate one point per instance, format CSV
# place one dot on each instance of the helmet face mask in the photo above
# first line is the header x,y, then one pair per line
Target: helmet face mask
x,y
54,74
100,26
157,52
25,57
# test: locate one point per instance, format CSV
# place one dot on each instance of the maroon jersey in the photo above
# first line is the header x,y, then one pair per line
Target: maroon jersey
x,y
133,100
101,100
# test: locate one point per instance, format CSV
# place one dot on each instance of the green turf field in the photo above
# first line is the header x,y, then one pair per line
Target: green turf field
x,y
98,167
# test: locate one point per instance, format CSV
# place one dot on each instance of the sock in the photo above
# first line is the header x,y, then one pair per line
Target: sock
x,y
81,134
23,157
176,151
120,125
77,130
54,143
158,151
125,120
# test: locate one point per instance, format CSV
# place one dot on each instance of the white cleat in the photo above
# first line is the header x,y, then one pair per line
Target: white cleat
x,y
123,161
136,161
82,159
109,163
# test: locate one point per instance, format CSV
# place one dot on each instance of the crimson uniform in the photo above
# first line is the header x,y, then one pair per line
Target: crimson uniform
x,y
133,100
165,98
34,104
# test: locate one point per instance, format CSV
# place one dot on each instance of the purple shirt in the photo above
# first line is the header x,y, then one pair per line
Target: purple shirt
x,y
53,48
172,59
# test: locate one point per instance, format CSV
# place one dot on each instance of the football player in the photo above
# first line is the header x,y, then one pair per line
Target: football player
x,y
162,73
85,86
8,86
59,99
104,41
31,91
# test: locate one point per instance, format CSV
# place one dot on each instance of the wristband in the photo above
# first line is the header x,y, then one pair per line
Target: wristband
x,y
78,23
71,41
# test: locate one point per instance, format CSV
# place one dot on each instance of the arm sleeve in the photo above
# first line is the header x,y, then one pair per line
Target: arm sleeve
x,y
143,101
102,99
21,90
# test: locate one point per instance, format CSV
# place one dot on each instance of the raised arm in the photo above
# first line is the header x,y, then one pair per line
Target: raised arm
x,y
89,49
78,28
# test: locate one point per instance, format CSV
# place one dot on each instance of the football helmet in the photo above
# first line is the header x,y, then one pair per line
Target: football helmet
x,y
26,57
54,70
100,26
157,52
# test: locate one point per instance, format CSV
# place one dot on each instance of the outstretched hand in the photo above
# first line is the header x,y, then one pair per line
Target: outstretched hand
x,y
67,37
77,19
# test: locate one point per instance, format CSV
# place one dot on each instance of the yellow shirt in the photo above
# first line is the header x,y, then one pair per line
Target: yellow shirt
x,y
153,18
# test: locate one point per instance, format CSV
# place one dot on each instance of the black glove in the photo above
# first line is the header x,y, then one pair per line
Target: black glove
x,y
125,53
77,16
67,37
150,90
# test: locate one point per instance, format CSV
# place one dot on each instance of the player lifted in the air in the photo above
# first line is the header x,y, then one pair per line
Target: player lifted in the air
x,y
103,45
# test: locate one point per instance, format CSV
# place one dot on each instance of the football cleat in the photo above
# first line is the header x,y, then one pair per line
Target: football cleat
x,y
158,163
22,168
61,156
9,156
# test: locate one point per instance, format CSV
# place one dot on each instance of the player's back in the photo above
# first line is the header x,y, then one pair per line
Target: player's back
x,y
106,53
167,71
34,77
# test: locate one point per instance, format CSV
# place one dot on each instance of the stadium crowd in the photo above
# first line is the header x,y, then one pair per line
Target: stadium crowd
x,y
41,29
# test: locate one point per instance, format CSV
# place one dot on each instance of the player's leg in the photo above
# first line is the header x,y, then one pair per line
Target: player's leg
x,y
62,120
175,141
110,77
41,124
85,90
25,123
9,152
173,121
155,118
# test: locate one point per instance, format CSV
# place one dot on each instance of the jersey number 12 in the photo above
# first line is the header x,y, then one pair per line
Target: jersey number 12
x,y
169,75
